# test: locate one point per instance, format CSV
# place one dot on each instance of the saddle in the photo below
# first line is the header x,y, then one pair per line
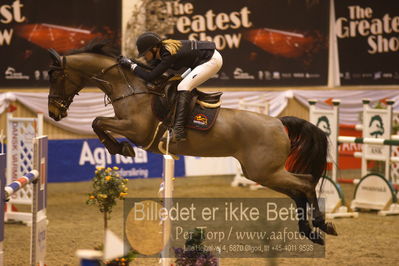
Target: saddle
x,y
204,107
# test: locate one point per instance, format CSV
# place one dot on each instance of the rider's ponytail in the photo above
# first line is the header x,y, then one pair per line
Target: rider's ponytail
x,y
172,46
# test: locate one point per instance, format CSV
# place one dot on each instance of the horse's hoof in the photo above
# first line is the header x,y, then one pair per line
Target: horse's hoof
x,y
316,237
127,149
312,235
329,228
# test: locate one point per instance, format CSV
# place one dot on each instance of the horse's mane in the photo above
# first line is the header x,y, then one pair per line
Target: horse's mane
x,y
97,46
103,47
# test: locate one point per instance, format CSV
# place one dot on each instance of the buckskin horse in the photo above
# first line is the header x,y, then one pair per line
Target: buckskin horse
x,y
286,154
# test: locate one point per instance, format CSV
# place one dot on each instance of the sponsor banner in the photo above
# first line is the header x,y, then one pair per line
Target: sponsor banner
x,y
28,28
368,41
263,42
76,160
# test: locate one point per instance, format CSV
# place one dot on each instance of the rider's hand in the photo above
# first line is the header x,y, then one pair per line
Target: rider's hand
x,y
126,62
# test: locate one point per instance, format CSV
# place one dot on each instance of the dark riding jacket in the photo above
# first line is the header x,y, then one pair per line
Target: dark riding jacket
x,y
190,55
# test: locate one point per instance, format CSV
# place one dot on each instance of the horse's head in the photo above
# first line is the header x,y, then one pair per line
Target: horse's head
x,y
94,64
64,85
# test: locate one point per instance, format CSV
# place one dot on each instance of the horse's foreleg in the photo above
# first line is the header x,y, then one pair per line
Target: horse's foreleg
x,y
113,146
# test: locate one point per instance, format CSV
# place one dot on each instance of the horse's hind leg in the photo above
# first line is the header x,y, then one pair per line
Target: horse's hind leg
x,y
301,190
311,197
303,223
318,218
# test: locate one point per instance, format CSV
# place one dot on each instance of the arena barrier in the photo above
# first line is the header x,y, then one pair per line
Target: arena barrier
x,y
38,178
20,132
239,178
373,191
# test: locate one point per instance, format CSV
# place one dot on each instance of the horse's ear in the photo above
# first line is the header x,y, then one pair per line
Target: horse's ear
x,y
55,57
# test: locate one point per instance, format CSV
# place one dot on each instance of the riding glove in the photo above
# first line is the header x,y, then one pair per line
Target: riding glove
x,y
126,62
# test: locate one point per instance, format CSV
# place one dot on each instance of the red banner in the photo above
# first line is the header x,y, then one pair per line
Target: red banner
x,y
28,28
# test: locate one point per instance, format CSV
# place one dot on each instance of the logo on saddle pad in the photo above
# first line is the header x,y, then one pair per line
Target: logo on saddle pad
x,y
200,119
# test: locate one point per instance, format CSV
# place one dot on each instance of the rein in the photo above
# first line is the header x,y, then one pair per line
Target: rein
x,y
64,101
130,85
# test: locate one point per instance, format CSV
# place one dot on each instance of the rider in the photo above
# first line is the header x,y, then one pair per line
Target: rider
x,y
201,56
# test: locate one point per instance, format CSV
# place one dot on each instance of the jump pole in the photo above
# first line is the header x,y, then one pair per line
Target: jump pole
x,y
166,192
37,177
373,141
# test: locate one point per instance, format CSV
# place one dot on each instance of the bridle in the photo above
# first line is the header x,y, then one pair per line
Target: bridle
x,y
62,101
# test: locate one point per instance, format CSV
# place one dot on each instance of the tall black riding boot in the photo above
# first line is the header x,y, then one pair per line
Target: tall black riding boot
x,y
183,101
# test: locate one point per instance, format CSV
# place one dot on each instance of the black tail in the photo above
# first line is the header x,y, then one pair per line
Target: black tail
x,y
309,147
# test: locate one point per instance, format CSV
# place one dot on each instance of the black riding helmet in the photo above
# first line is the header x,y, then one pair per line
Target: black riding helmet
x,y
146,41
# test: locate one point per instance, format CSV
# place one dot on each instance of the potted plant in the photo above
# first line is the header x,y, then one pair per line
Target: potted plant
x,y
108,187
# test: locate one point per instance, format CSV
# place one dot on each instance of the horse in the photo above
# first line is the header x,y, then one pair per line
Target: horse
x,y
286,154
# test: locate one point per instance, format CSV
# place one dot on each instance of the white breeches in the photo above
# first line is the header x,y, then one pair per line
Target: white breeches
x,y
201,73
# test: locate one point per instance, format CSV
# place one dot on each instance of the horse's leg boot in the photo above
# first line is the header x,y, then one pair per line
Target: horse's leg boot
x,y
183,101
